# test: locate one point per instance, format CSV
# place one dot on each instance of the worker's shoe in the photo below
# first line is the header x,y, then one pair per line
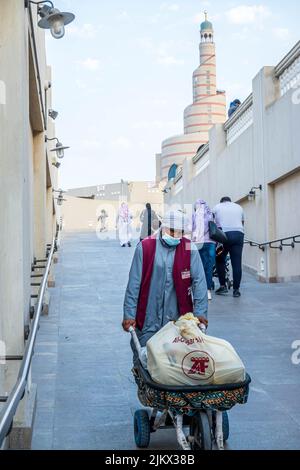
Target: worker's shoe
x,y
209,296
222,290
236,293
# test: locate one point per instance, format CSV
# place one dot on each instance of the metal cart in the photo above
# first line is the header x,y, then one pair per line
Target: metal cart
x,y
201,409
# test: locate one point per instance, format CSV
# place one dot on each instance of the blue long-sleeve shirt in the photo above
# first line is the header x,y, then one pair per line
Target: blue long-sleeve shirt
x,y
162,302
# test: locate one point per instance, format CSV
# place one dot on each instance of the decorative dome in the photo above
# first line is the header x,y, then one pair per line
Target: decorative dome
x,y
206,25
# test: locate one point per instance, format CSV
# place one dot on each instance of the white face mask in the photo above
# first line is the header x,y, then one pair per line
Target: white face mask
x,y
171,241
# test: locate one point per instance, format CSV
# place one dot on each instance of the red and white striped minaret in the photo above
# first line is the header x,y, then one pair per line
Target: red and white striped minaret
x,y
208,108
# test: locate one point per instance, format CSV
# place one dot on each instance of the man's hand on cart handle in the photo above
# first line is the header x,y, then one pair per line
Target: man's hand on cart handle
x,y
127,324
203,321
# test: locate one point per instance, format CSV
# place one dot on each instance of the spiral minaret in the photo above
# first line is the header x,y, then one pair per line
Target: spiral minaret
x,y
208,108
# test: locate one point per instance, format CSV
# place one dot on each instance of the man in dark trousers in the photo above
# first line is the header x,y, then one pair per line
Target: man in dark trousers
x,y
230,217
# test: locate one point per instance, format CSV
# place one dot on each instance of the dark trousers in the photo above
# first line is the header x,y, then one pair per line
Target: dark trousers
x,y
234,247
208,257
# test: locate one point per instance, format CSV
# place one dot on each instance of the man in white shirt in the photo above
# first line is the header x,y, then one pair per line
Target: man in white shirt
x,y
230,217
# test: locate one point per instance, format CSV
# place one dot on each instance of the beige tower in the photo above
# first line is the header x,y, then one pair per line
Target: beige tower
x,y
208,108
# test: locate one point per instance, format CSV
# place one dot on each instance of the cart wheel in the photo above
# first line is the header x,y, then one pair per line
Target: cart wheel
x,y
201,432
142,429
225,426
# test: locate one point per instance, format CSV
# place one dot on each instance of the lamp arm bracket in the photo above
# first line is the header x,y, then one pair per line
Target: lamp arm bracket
x,y
27,2
47,139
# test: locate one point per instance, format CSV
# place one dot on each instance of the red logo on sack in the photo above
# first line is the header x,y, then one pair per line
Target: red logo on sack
x,y
198,365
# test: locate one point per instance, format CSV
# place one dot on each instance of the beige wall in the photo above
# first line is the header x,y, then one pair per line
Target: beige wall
x,y
142,192
82,214
23,177
287,199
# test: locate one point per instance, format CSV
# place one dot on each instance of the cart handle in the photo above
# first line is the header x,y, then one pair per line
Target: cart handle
x,y
136,341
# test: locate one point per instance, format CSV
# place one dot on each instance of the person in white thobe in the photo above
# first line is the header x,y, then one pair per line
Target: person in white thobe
x,y
124,221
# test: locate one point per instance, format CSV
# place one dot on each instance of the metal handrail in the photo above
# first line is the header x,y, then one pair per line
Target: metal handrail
x,y
262,246
17,394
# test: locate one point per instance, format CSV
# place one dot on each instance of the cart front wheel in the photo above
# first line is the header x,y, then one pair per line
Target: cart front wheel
x,y
200,430
142,429
225,426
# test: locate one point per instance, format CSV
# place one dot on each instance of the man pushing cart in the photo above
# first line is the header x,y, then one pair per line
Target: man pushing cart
x,y
166,282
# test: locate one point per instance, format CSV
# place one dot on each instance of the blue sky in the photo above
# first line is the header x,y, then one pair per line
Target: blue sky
x,y
122,75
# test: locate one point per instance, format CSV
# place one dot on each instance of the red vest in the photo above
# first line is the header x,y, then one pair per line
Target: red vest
x,y
181,276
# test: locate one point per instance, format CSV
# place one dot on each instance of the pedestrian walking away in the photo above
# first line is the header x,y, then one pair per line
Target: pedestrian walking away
x,y
230,217
166,280
150,222
124,224
102,219
207,248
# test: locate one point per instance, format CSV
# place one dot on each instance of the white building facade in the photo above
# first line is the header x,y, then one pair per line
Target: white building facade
x,y
259,146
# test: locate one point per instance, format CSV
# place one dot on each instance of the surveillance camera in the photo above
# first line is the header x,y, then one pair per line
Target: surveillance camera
x,y
53,114
48,85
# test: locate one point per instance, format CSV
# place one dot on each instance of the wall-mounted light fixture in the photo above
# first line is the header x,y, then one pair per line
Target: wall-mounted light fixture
x,y
59,191
53,114
59,149
60,200
252,193
52,18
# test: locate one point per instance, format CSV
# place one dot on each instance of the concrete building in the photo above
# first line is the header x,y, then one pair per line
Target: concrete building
x,y
257,149
133,191
208,108
28,206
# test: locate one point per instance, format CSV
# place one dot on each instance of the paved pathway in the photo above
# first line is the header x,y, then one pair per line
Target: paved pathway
x,y
86,395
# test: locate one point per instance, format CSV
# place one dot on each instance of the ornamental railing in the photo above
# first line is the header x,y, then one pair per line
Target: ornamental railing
x,y
288,70
240,120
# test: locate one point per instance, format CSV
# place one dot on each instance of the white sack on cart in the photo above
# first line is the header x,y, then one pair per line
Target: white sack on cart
x,y
181,354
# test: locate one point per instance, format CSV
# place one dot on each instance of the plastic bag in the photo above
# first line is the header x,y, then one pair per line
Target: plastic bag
x,y
180,354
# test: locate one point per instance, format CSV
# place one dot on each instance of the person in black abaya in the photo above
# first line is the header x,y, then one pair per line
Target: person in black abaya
x,y
150,222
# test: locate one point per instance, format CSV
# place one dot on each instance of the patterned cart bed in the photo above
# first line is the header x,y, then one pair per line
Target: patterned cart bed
x,y
187,400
